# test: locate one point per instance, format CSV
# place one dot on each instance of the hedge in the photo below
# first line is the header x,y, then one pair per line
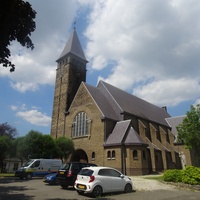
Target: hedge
x,y
189,175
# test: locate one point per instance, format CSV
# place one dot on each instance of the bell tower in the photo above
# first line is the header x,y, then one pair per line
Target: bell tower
x,y
70,72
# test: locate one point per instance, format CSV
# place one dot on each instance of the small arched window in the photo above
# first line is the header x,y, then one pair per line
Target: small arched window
x,y
80,125
135,154
93,155
108,155
113,154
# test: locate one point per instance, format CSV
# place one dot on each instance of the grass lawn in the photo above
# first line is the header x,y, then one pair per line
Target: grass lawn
x,y
7,174
156,177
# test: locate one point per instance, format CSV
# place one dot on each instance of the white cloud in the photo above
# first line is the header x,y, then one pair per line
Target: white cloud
x,y
12,107
167,91
38,67
32,115
148,47
35,117
197,102
154,44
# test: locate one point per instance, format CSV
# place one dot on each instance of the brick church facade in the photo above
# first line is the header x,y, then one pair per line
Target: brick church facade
x,y
110,127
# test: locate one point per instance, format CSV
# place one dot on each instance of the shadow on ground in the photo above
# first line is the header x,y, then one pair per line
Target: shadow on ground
x,y
13,192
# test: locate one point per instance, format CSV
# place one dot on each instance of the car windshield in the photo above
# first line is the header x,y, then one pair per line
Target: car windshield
x,y
27,163
86,172
65,166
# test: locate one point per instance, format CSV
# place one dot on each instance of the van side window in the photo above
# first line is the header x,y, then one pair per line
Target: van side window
x,y
36,164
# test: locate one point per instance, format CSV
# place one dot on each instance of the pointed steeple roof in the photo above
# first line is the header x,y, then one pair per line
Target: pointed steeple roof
x,y
73,46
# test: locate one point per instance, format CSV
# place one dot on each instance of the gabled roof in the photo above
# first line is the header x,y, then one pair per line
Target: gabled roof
x,y
133,138
73,46
174,122
102,102
113,102
122,101
123,133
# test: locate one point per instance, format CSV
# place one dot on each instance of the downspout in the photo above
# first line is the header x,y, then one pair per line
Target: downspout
x,y
104,139
123,158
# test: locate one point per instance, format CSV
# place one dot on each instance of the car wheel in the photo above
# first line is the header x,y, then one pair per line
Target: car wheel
x,y
21,177
80,192
128,188
64,186
97,191
29,176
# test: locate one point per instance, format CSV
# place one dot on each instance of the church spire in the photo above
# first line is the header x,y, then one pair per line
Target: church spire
x,y
70,72
73,46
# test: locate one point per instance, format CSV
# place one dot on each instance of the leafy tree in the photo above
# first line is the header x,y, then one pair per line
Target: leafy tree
x,y
16,23
36,145
20,151
8,130
189,130
65,147
33,145
49,147
5,142
7,134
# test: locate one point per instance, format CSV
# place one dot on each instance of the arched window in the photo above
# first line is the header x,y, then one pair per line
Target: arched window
x,y
93,155
80,125
135,154
108,155
113,154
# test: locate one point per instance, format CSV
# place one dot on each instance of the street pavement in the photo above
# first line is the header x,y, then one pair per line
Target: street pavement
x,y
36,189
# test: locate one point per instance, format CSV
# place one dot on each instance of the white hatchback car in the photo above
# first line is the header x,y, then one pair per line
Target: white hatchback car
x,y
99,180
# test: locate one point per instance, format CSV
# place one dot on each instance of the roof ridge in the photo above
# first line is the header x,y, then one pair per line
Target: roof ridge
x,y
103,84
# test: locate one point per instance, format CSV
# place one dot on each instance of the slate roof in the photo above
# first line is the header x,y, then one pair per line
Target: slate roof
x,y
121,101
73,46
102,103
133,138
174,122
123,133
113,101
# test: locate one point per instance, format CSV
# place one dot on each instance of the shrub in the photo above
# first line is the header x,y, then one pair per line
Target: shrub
x,y
191,175
172,175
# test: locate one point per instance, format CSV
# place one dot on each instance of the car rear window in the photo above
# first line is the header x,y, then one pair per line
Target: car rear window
x,y
65,166
86,172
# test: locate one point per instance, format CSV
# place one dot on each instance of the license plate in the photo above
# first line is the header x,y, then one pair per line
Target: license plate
x,y
81,186
61,172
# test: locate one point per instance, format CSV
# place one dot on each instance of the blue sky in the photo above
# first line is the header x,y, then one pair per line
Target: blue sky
x,y
150,49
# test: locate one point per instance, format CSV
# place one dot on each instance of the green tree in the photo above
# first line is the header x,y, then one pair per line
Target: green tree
x,y
65,147
8,130
16,23
49,147
20,151
36,145
189,130
33,145
7,135
5,143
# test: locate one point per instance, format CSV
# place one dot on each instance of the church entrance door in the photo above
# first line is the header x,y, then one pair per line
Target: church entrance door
x,y
79,155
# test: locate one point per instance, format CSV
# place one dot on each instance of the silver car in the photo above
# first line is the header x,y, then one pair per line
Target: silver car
x,y
99,180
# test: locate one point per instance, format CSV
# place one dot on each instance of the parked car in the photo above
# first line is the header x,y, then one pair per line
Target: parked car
x,y
68,172
99,180
51,179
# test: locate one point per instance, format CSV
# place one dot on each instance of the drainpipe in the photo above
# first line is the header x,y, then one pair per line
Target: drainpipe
x,y
123,158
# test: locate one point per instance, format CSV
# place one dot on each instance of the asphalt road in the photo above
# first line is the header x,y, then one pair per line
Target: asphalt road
x,y
35,189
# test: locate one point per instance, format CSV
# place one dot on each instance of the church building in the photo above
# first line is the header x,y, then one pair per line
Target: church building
x,y
110,127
